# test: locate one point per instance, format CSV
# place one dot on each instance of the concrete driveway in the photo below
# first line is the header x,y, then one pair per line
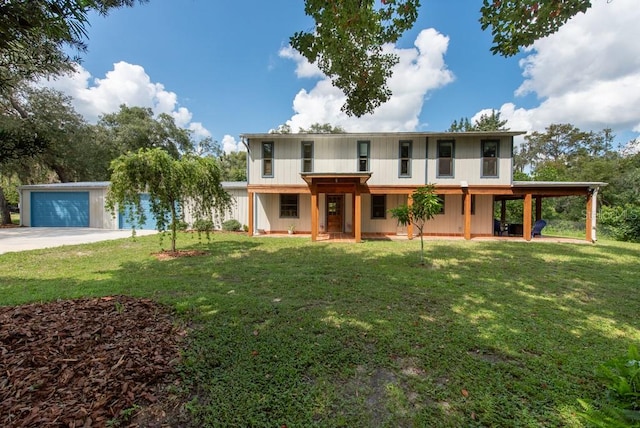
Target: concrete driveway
x,y
32,238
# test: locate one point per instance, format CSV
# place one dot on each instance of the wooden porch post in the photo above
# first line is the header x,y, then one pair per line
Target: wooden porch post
x,y
410,225
314,213
250,196
526,221
358,213
467,214
589,213
538,207
503,211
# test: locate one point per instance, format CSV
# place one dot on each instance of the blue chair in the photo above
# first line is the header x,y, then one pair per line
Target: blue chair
x,y
537,228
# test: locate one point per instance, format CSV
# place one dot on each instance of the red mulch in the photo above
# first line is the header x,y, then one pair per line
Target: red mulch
x,y
80,363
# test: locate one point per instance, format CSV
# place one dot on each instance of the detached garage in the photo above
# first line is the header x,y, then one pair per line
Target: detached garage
x,y
82,205
66,205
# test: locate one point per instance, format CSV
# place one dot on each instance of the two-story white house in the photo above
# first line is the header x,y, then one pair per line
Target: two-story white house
x,y
345,184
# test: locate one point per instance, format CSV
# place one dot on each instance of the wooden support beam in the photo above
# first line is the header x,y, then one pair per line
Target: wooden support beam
x,y
589,222
503,211
410,225
250,196
357,230
526,221
314,213
467,215
538,208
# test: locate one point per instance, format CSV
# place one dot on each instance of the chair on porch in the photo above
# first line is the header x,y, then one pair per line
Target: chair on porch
x,y
537,228
497,227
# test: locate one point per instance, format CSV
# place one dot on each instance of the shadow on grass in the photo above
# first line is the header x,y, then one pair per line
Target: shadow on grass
x,y
295,333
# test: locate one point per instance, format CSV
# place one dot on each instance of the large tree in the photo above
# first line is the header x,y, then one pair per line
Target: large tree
x,y
348,37
35,36
174,186
486,122
133,128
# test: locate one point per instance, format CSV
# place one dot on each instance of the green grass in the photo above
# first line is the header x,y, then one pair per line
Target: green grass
x,y
290,332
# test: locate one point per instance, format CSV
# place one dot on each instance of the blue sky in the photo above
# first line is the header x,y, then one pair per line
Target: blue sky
x,y
225,68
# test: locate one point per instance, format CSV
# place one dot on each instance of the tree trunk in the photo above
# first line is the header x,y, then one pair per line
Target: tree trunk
x,y
5,215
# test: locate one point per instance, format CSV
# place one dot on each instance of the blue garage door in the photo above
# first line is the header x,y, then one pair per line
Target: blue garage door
x,y
60,209
150,222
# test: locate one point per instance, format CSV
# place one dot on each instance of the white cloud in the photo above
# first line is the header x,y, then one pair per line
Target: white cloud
x,y
229,145
586,74
127,84
420,70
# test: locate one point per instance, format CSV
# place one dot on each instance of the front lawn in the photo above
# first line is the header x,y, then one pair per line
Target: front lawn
x,y
289,332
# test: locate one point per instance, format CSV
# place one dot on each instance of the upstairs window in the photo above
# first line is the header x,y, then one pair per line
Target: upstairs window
x,y
363,156
445,158
490,157
404,156
288,205
267,159
307,156
378,206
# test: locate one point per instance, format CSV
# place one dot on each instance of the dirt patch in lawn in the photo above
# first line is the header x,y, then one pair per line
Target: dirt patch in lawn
x,y
170,255
89,363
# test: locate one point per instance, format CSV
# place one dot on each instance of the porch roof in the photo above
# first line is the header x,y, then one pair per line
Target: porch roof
x,y
335,178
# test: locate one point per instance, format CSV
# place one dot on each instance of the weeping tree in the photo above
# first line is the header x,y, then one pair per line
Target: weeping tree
x,y
174,186
425,204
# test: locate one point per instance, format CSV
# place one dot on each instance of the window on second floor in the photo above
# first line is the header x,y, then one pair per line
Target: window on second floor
x,y
404,157
288,205
378,206
490,157
267,159
307,156
445,158
363,156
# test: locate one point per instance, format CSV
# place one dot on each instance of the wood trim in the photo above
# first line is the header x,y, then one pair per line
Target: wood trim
x,y
526,221
538,207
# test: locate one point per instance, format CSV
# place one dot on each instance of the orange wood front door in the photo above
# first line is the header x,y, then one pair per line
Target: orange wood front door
x,y
335,213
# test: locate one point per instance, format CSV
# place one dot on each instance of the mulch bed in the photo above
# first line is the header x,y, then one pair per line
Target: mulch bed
x,y
80,363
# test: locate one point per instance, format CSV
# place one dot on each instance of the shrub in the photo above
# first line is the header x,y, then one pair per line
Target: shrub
x,y
621,222
621,406
232,225
203,225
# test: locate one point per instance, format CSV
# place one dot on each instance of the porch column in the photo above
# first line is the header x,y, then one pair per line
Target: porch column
x,y
526,221
250,196
592,198
314,213
538,207
503,211
357,229
410,225
467,214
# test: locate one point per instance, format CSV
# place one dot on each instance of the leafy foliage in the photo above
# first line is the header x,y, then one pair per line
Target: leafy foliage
x,y
486,122
518,23
231,225
621,406
347,45
622,222
173,185
233,166
425,204
35,33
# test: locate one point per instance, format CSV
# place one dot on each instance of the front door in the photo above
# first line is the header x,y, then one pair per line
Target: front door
x,y
335,212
